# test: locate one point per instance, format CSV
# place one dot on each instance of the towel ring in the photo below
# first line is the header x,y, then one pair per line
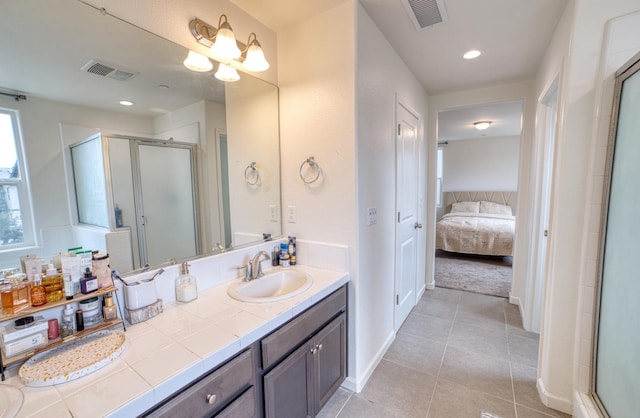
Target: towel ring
x,y
313,165
251,174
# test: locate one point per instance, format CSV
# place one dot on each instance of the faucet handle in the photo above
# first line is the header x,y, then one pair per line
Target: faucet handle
x,y
244,272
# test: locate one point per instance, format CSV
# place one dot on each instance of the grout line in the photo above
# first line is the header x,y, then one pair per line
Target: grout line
x,y
344,404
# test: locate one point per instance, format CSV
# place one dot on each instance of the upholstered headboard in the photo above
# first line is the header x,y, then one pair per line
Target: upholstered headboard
x,y
505,198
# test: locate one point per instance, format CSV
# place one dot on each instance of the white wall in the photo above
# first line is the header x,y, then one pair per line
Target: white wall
x,y
486,164
317,118
381,77
586,93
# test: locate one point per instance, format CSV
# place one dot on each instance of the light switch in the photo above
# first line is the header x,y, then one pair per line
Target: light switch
x,y
372,216
273,213
291,214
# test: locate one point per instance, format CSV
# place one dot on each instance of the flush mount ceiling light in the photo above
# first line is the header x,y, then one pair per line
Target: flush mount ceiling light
x,y
197,62
469,55
482,125
226,48
126,102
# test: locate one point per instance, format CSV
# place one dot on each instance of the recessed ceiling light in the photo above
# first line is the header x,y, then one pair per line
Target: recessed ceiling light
x,y
469,55
163,87
126,103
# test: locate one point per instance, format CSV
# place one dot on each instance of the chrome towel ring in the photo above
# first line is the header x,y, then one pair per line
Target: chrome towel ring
x,y
251,174
313,166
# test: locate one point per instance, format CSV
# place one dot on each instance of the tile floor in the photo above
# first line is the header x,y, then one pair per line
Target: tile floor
x,y
458,354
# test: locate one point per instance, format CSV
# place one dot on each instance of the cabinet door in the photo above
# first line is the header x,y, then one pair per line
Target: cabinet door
x,y
330,360
287,388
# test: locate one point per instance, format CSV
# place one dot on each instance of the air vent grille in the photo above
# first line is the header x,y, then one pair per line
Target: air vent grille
x,y
426,13
107,70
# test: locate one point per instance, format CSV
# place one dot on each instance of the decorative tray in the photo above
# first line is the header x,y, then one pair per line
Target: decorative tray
x,y
74,360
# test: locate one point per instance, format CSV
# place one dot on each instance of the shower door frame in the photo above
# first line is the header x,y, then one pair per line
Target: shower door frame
x,y
630,68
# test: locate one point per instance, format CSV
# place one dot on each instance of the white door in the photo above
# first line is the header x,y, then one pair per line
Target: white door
x,y
406,262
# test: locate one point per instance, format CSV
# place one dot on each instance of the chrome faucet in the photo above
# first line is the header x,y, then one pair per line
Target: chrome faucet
x,y
255,268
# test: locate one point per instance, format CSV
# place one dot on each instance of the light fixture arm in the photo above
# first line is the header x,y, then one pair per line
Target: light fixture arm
x,y
205,34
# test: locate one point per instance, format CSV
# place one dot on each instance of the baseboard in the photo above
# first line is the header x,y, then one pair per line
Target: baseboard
x,y
552,401
431,285
420,293
584,406
357,384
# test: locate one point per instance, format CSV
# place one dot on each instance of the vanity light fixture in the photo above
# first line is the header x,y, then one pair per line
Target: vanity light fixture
x,y
482,125
197,62
227,73
226,48
469,55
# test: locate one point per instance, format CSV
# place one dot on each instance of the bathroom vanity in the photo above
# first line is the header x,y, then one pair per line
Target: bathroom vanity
x,y
217,356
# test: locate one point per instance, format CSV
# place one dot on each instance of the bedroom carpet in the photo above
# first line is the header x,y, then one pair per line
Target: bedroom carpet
x,y
474,273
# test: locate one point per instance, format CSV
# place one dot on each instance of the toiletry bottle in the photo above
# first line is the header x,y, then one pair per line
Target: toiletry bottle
x,y
89,283
38,292
7,295
292,250
19,289
53,284
275,256
102,270
68,288
68,325
285,259
186,287
79,320
109,309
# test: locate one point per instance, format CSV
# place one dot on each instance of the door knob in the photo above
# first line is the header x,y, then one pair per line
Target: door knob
x,y
417,225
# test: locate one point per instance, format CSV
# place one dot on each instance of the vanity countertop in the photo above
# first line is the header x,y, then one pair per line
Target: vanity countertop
x,y
172,349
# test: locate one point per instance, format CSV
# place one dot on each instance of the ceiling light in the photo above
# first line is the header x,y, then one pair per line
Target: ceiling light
x,y
254,59
482,125
227,73
469,55
126,103
197,62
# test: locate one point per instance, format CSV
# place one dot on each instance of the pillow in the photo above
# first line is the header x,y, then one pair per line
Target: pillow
x,y
495,208
466,207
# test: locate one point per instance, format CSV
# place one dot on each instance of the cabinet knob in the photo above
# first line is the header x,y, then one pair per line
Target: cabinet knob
x,y
319,346
313,350
211,399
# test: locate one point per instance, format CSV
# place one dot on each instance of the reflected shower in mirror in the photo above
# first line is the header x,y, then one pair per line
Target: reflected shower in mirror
x,y
76,66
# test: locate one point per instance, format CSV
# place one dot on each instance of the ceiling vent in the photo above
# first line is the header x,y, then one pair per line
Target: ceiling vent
x,y
107,70
425,13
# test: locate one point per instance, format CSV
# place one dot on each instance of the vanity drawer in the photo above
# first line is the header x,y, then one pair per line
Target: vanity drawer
x,y
298,330
243,407
208,395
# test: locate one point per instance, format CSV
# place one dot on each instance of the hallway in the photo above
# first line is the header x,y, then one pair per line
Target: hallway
x,y
459,354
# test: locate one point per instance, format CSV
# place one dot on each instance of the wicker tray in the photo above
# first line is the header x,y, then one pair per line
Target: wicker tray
x,y
74,360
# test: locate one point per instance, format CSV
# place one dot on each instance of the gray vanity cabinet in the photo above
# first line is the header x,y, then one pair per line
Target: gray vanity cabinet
x,y
301,383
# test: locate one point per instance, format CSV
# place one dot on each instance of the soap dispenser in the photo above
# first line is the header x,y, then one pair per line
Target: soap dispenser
x,y
186,287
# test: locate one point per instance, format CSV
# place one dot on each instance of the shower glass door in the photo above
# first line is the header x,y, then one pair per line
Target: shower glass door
x,y
616,382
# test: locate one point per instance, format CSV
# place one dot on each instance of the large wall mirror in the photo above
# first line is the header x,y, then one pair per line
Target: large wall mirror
x,y
184,131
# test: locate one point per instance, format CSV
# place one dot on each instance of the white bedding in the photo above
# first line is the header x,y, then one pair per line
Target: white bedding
x,y
476,233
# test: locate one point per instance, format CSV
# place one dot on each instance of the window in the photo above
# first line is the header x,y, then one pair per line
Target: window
x,y
439,159
15,223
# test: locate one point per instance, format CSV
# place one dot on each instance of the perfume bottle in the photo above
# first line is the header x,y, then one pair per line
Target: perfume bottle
x,y
109,309
186,287
38,292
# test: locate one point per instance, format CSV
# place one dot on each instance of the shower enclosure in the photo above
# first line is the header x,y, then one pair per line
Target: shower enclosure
x,y
148,186
616,351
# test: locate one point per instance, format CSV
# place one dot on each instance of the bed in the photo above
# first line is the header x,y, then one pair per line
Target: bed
x,y
477,223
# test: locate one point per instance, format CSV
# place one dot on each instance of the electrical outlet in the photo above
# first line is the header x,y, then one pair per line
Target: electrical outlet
x,y
372,216
291,214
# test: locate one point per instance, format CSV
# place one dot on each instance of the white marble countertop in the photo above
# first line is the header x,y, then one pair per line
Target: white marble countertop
x,y
169,351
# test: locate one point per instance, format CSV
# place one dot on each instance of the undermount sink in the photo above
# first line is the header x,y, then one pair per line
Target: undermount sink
x,y
271,287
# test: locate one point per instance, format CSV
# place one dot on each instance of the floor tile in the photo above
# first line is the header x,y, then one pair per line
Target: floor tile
x,y
437,308
523,350
479,340
402,391
514,327
361,408
429,327
524,412
526,392
452,400
335,404
441,293
476,299
484,373
416,352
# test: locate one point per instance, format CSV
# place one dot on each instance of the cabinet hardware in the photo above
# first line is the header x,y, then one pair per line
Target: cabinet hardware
x,y
211,398
313,350
319,346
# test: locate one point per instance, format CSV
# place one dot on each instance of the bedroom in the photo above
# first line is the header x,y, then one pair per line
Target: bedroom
x,y
478,176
